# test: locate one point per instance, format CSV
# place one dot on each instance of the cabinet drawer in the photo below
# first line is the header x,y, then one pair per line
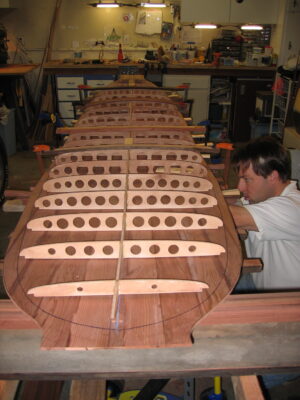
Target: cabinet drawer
x,y
68,95
98,83
69,82
66,110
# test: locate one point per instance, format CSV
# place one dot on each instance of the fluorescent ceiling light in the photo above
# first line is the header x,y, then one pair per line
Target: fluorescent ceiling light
x,y
252,28
107,5
153,5
205,26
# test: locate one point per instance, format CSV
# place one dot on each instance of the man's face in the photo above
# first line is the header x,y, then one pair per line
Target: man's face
x,y
255,188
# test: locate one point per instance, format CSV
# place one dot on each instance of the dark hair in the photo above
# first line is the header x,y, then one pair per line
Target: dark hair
x,y
266,155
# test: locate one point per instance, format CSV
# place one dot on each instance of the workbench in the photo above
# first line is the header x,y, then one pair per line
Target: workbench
x,y
246,334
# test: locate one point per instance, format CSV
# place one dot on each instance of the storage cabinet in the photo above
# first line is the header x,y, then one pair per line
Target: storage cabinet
x,y
67,91
230,11
199,87
244,100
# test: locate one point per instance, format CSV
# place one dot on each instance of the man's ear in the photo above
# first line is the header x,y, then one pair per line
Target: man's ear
x,y
274,176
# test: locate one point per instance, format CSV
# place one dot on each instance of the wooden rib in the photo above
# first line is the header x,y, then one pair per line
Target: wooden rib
x,y
82,201
78,222
92,155
135,166
136,182
127,141
126,287
166,199
168,182
141,221
171,221
167,167
182,155
87,183
131,249
88,168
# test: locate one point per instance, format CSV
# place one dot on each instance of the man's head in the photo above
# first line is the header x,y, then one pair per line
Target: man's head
x,y
263,167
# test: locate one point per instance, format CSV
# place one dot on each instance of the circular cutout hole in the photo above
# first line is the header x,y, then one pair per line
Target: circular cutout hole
x,y
47,224
78,222
68,170
89,250
135,249
170,221
195,158
108,250
186,222
72,201
138,221
70,250
150,183
104,183
197,185
58,202
111,222
154,221
114,200
100,200
174,184
51,251
151,200
57,185
202,221
154,249
173,249
55,171
192,200
179,200
94,222
204,201
116,183
68,184
62,223
46,203
79,184
92,183
79,289
192,248
137,183
73,158
137,200
186,184
165,199
162,183
86,201
153,286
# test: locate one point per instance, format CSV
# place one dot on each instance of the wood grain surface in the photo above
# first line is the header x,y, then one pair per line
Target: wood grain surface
x,y
210,258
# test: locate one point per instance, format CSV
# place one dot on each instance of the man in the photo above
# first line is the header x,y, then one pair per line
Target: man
x,y
270,212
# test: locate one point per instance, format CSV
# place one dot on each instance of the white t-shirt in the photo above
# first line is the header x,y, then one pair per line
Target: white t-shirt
x,y
277,241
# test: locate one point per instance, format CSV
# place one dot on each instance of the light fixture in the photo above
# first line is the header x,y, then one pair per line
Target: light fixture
x,y
252,28
153,5
105,5
205,26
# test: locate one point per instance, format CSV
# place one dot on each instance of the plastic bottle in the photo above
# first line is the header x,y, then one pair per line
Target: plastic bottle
x,y
120,54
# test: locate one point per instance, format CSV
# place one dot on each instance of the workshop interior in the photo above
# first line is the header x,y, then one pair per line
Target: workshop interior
x,y
119,255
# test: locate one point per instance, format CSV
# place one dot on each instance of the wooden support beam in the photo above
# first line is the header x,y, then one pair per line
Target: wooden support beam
x,y
236,309
247,388
8,389
88,389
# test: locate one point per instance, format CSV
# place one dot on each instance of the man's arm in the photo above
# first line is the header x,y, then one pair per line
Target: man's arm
x,y
242,218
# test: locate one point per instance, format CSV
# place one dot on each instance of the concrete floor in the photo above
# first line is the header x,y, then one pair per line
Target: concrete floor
x,y
23,174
